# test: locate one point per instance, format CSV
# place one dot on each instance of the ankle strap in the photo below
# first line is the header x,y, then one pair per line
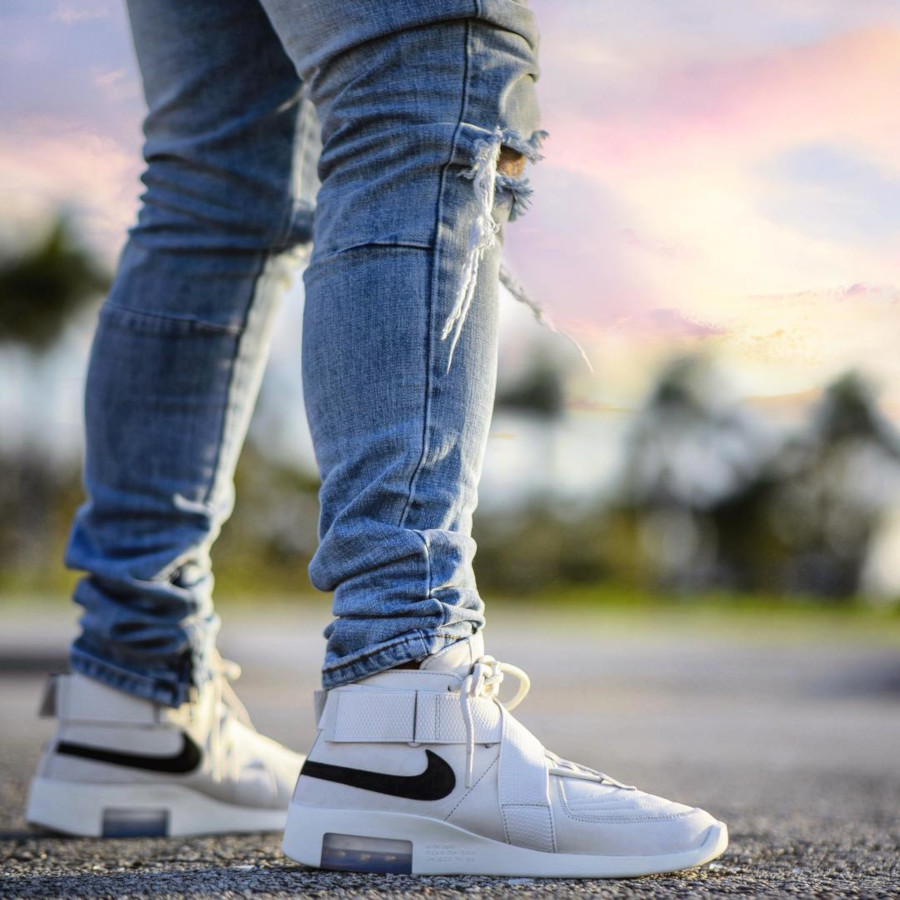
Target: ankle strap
x,y
372,715
76,698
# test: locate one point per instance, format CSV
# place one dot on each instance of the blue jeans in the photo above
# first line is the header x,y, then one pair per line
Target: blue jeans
x,y
416,99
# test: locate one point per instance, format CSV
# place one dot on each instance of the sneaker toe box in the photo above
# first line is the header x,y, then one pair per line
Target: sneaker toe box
x,y
621,822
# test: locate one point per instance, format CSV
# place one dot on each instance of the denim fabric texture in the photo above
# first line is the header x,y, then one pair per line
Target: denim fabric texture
x,y
362,137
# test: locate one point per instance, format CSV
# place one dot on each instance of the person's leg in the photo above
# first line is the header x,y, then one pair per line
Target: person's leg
x,y
423,769
182,338
428,110
150,738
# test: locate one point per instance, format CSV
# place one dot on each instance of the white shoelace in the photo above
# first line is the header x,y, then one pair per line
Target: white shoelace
x,y
226,704
484,680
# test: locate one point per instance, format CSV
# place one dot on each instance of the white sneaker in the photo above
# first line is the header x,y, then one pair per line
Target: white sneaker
x,y
424,771
122,766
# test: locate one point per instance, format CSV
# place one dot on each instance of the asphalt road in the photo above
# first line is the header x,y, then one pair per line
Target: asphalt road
x,y
795,744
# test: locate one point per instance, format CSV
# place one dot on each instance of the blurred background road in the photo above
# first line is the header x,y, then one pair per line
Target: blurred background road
x,y
790,735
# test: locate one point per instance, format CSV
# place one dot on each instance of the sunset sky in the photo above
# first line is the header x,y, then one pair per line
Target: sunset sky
x,y
719,176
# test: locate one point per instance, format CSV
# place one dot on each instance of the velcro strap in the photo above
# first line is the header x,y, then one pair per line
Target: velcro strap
x,y
87,700
523,780
377,716
428,717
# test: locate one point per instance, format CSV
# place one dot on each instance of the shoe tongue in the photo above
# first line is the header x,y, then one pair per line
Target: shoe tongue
x,y
458,658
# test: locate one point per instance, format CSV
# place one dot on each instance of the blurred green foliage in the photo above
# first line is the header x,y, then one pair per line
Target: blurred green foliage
x,y
41,288
541,390
37,499
712,500
786,518
712,497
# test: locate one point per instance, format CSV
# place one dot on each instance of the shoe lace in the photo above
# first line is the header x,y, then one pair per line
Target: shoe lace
x,y
484,680
226,705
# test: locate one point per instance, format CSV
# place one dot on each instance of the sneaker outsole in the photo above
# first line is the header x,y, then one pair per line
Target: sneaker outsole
x,y
367,841
140,810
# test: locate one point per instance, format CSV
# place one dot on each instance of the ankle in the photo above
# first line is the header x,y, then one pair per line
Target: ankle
x,y
409,664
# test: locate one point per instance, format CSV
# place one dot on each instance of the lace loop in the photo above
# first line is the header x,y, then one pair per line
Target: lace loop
x,y
484,680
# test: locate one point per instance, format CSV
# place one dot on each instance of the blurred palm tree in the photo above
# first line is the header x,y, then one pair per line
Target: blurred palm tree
x,y
693,443
42,288
539,391
838,480
691,448
713,496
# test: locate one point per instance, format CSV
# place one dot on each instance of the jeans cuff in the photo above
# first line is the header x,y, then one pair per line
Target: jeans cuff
x,y
164,689
395,652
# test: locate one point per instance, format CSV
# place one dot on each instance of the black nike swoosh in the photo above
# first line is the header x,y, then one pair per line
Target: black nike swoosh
x,y
435,783
187,760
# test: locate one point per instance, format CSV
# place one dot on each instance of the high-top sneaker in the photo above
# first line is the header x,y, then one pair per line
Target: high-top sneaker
x,y
119,765
425,771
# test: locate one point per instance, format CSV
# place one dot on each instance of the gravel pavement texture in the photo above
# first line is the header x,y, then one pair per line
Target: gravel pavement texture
x,y
794,743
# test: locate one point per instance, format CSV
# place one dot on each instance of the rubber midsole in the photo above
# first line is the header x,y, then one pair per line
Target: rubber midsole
x,y
439,848
119,810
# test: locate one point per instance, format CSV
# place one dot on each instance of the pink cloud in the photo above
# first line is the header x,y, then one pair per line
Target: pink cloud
x,y
619,238
845,85
566,250
860,291
879,293
47,163
667,322
665,248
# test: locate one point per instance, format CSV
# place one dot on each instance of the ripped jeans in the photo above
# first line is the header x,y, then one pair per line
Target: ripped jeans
x,y
375,130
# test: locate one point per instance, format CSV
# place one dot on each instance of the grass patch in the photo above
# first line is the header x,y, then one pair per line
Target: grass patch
x,y
602,609
743,617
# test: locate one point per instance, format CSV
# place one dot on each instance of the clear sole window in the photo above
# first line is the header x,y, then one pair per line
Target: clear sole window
x,y
135,823
355,853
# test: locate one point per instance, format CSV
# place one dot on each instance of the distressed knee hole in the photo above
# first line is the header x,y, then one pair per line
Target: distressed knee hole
x,y
511,162
497,168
